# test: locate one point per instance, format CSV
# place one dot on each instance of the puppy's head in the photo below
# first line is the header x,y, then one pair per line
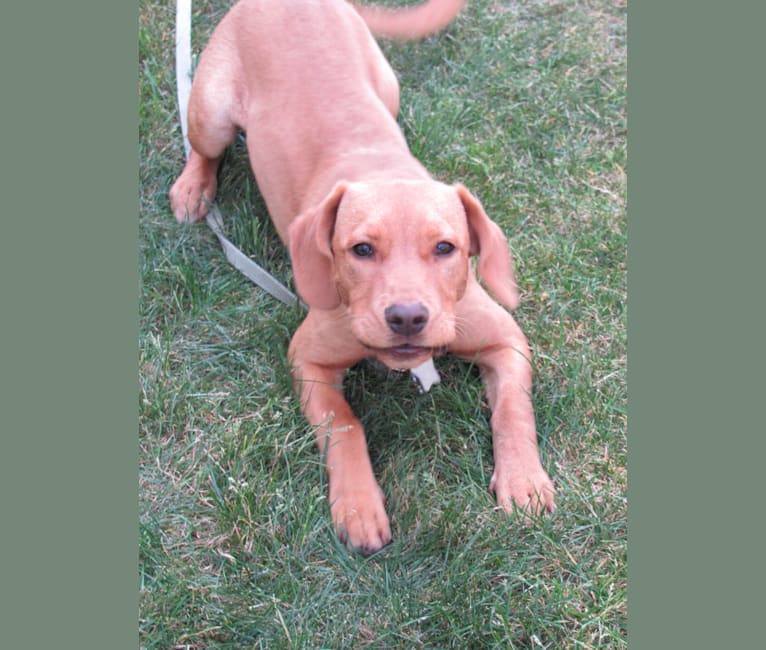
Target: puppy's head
x,y
396,255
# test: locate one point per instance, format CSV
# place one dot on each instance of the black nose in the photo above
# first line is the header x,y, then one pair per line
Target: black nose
x,y
406,319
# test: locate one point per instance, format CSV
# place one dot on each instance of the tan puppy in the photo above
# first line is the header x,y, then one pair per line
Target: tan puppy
x,y
379,249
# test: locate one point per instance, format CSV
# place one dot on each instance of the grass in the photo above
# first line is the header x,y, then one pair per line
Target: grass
x,y
524,102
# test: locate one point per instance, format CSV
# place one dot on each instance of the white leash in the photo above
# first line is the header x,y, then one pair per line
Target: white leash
x,y
425,375
183,65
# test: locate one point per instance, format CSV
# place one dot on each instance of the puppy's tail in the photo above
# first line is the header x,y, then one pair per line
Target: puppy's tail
x,y
410,23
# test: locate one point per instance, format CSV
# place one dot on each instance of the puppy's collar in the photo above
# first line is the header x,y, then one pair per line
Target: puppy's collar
x,y
425,375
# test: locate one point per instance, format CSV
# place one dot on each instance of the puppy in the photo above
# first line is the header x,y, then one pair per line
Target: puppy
x,y
380,250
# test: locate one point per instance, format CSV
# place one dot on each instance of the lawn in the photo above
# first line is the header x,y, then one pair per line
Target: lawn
x,y
524,103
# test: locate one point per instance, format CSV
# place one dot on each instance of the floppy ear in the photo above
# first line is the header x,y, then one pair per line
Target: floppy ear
x,y
310,237
489,243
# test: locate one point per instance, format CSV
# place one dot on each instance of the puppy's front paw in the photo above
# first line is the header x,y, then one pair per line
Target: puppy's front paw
x,y
359,517
528,489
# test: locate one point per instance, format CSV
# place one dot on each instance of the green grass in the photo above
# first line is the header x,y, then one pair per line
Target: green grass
x,y
523,102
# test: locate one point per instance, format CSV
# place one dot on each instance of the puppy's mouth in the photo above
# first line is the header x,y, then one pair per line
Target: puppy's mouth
x,y
407,351
406,355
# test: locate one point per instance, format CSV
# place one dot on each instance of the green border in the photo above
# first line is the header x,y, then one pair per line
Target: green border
x,y
696,227
70,289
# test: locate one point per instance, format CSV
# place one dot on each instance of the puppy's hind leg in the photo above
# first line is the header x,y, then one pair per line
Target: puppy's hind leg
x,y
211,130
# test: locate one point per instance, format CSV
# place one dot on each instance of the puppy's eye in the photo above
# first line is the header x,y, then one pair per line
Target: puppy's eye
x,y
444,248
362,250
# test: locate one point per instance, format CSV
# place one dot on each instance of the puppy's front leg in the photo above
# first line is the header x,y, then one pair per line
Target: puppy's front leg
x,y
519,478
356,501
492,338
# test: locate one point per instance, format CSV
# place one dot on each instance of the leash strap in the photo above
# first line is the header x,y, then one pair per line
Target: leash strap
x,y
425,375
243,263
183,65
